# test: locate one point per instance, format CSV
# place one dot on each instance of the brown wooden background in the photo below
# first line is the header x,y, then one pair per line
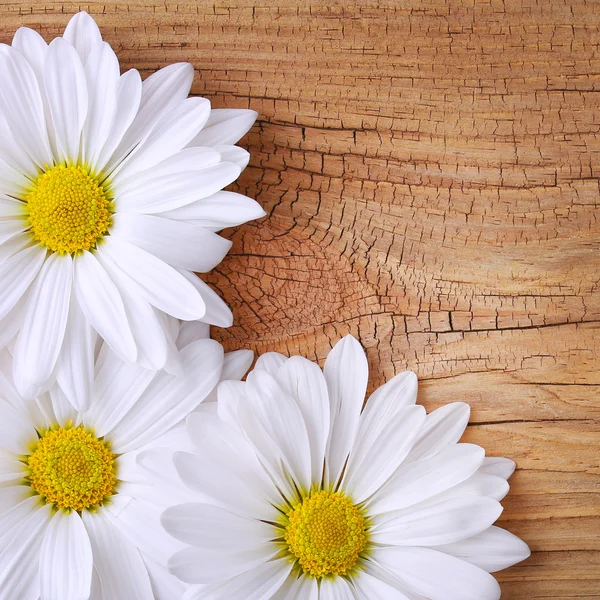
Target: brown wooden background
x,y
430,172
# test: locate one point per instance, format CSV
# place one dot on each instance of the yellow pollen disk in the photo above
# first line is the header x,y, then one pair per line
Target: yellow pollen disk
x,y
72,469
69,211
326,533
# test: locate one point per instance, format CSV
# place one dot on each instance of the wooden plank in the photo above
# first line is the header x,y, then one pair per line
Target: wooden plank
x,y
430,172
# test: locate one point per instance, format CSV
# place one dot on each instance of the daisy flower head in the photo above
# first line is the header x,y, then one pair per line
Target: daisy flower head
x,y
304,495
110,199
81,493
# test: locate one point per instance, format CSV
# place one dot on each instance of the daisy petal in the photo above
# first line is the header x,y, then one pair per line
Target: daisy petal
x,y
75,366
208,526
32,46
161,285
442,428
16,432
346,372
335,589
236,364
44,324
501,467
234,154
164,585
445,522
66,558
492,550
436,575
83,34
102,76
298,588
17,274
118,386
202,565
122,572
479,484
66,90
22,106
170,398
270,362
420,480
225,126
102,305
369,587
19,560
217,312
13,495
304,381
181,245
159,94
377,454
170,135
218,211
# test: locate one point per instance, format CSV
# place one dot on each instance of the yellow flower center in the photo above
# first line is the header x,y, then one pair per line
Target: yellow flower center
x,y
69,211
326,533
72,469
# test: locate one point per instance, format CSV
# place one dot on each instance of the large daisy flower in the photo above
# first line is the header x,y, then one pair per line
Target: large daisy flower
x,y
303,495
109,201
79,515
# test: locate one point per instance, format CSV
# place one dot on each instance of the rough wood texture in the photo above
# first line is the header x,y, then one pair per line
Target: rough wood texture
x,y
430,171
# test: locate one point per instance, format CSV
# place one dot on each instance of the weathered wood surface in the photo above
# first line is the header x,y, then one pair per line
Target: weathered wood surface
x,y
430,172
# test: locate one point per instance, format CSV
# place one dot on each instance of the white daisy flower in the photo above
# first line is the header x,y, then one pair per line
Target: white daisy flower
x,y
109,201
303,495
79,516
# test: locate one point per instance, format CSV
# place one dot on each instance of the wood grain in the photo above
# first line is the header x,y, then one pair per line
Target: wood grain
x,y
430,172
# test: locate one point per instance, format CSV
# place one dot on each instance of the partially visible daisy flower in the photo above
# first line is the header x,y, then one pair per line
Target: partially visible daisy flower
x,y
303,495
110,197
79,516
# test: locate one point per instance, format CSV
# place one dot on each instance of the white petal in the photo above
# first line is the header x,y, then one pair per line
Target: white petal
x,y
181,245
66,90
183,178
22,105
378,454
122,572
102,76
19,560
32,46
236,364
256,584
442,428
64,411
118,386
190,331
298,588
164,585
420,480
492,550
75,367
66,559
270,362
17,168
9,229
218,211
335,589
12,472
139,522
479,484
83,33
16,432
234,154
102,305
208,526
43,330
11,209
369,587
17,274
170,135
501,467
304,381
346,372
442,523
14,518
170,398
13,495
398,392
128,92
282,419
436,575
217,312
225,126
159,283
160,93
201,565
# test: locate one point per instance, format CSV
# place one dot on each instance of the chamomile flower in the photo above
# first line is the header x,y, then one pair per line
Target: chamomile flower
x,y
303,495
79,516
110,199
